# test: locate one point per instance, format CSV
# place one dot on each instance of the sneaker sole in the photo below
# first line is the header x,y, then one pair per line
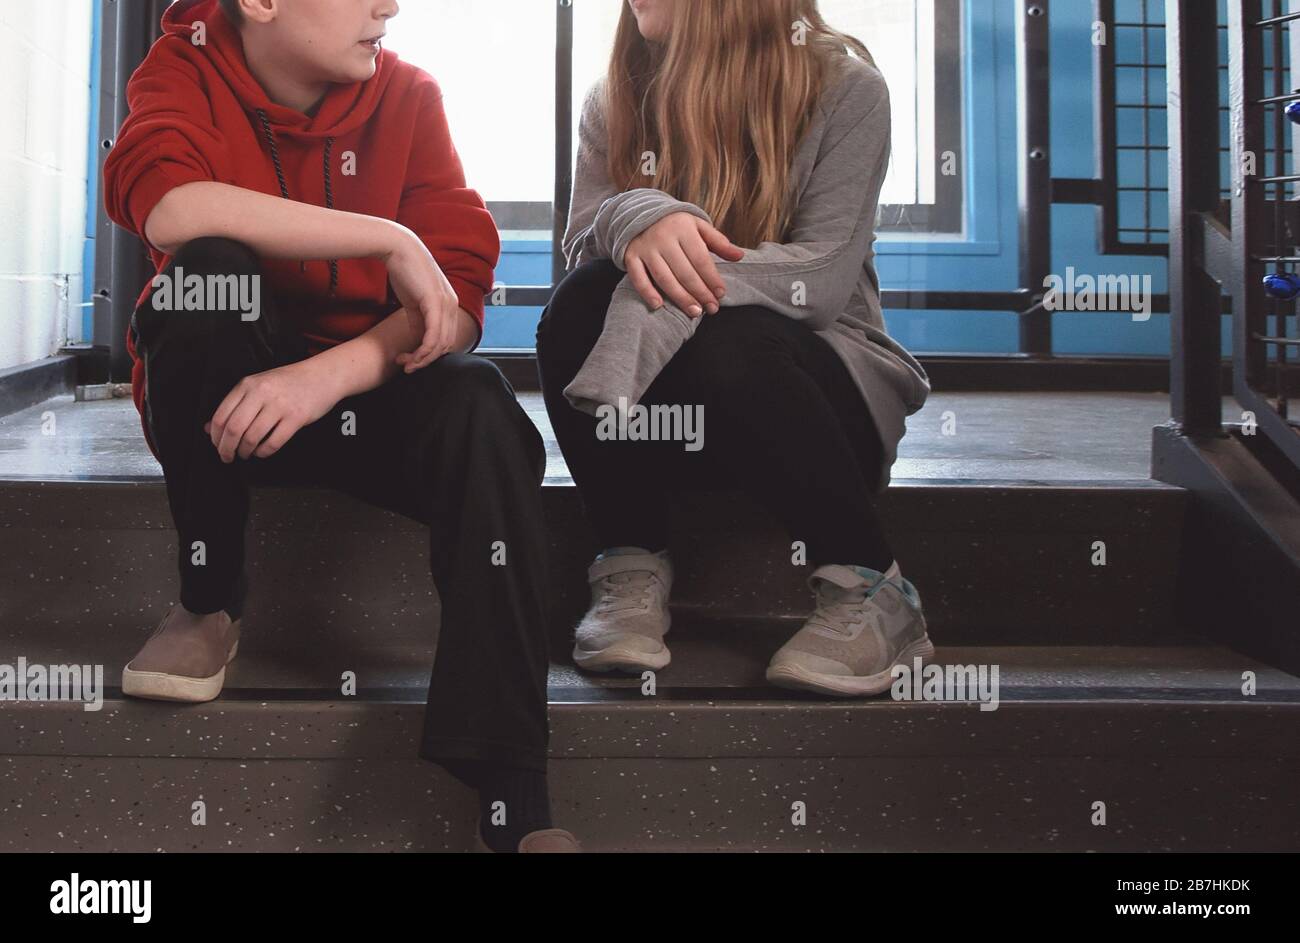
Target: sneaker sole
x,y
801,679
160,686
619,658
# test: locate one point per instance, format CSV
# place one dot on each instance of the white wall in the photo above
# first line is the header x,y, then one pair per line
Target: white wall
x,y
44,111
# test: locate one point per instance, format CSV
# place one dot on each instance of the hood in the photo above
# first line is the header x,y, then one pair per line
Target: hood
x,y
346,107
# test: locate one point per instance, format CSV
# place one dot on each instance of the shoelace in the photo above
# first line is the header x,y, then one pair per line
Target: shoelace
x,y
628,590
839,610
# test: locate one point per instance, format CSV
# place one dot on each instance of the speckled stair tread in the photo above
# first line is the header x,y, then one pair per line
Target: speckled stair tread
x,y
1028,436
995,564
1050,699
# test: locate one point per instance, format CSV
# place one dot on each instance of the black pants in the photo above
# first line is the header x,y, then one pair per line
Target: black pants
x,y
783,421
447,445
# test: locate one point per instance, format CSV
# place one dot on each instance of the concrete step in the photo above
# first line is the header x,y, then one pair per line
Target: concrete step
x,y
1164,737
997,563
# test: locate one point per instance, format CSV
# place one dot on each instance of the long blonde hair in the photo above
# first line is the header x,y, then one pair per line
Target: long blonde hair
x,y
721,106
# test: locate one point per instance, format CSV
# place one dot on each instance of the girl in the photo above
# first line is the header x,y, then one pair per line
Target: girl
x,y
720,255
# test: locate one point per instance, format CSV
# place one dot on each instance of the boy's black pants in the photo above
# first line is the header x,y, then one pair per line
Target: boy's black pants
x,y
447,445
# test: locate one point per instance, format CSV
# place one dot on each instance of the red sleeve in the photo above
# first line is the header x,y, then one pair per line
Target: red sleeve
x,y
168,139
450,219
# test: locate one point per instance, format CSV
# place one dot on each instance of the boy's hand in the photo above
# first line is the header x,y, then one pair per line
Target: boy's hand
x,y
264,411
428,299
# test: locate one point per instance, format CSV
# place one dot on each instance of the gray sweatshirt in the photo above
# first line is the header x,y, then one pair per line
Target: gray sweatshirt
x,y
823,276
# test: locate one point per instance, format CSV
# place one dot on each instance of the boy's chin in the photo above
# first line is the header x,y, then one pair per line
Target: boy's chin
x,y
360,70
349,76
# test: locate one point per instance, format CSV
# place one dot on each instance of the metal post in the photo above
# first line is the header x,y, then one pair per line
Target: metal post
x,y
1246,64
1034,190
563,133
1105,133
102,338
136,27
1191,33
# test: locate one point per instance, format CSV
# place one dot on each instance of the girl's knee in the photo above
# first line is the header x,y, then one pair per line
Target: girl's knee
x,y
741,346
576,312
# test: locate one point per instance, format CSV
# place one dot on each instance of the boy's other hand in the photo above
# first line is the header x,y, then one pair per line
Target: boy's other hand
x,y
673,257
428,298
264,411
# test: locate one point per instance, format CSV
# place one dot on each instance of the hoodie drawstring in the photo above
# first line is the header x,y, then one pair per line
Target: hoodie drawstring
x,y
284,187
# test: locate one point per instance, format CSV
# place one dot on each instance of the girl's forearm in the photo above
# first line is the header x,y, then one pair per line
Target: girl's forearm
x,y
272,227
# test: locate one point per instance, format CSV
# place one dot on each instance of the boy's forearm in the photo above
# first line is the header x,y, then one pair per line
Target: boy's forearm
x,y
370,360
272,227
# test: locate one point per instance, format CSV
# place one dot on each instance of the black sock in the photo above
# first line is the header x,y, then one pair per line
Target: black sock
x,y
527,806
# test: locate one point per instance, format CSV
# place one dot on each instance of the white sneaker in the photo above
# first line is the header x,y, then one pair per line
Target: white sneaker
x,y
625,627
865,623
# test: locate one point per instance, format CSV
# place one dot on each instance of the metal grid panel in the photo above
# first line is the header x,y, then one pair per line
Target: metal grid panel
x,y
1141,202
1134,122
1266,227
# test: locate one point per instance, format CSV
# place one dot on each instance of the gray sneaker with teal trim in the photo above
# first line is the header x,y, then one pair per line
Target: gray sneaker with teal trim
x,y
865,623
625,626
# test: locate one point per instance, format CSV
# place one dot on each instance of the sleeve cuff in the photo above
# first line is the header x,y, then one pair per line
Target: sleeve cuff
x,y
624,217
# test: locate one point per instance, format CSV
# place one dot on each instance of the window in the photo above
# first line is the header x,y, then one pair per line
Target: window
x,y
916,44
496,65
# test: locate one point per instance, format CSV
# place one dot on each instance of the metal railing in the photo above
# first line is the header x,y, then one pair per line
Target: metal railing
x,y
1210,255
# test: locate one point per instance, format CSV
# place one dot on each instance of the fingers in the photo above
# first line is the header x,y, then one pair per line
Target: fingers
x,y
719,244
257,431
702,297
663,276
640,278
281,434
237,426
438,341
448,340
416,322
698,255
216,426
422,355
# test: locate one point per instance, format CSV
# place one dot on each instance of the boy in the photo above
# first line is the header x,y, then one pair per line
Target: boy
x,y
320,257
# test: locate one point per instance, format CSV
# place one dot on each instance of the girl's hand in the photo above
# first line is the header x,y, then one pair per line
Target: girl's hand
x,y
264,411
672,256
428,298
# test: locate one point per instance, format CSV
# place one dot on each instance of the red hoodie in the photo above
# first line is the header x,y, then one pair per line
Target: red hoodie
x,y
195,116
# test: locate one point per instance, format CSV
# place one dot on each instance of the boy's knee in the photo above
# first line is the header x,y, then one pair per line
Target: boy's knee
x,y
469,396
463,382
217,256
223,303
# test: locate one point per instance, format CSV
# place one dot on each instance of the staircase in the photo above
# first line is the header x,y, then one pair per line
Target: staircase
x,y
1104,697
